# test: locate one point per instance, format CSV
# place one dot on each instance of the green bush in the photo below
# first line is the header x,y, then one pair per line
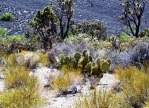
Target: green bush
x,y
2,32
95,29
20,38
124,36
144,33
7,17
0,9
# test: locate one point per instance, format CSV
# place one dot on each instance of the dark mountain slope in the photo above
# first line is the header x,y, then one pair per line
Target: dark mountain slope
x,y
105,10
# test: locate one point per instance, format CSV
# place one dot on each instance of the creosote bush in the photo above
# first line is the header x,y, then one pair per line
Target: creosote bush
x,y
7,17
2,32
144,33
95,29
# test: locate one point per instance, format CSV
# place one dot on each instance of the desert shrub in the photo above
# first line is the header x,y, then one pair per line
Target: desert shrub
x,y
19,98
94,29
32,59
145,66
19,38
12,44
135,85
98,99
97,48
22,88
61,83
0,9
65,80
7,17
124,36
147,105
18,77
130,52
27,59
144,33
33,40
2,32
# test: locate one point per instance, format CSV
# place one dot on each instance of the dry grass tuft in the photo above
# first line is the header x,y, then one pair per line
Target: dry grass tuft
x,y
19,98
99,99
63,81
135,85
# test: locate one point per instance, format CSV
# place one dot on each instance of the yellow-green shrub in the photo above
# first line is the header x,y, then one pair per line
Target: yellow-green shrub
x,y
19,98
99,99
28,59
135,85
67,77
18,77
32,59
147,105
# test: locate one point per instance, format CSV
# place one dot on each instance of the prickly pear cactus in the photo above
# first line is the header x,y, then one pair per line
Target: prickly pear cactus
x,y
86,63
96,72
88,68
62,60
101,67
105,66
86,59
77,57
85,53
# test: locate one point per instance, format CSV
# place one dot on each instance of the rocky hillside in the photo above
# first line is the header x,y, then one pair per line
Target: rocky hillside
x,y
105,10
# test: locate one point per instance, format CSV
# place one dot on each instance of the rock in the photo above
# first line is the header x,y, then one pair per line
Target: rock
x,y
1,63
107,82
72,90
2,85
44,74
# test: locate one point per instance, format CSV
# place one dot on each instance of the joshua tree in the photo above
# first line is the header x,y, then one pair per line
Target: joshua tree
x,y
64,10
132,15
54,20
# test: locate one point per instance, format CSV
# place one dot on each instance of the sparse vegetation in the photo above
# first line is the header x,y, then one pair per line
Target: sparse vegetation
x,y
60,55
